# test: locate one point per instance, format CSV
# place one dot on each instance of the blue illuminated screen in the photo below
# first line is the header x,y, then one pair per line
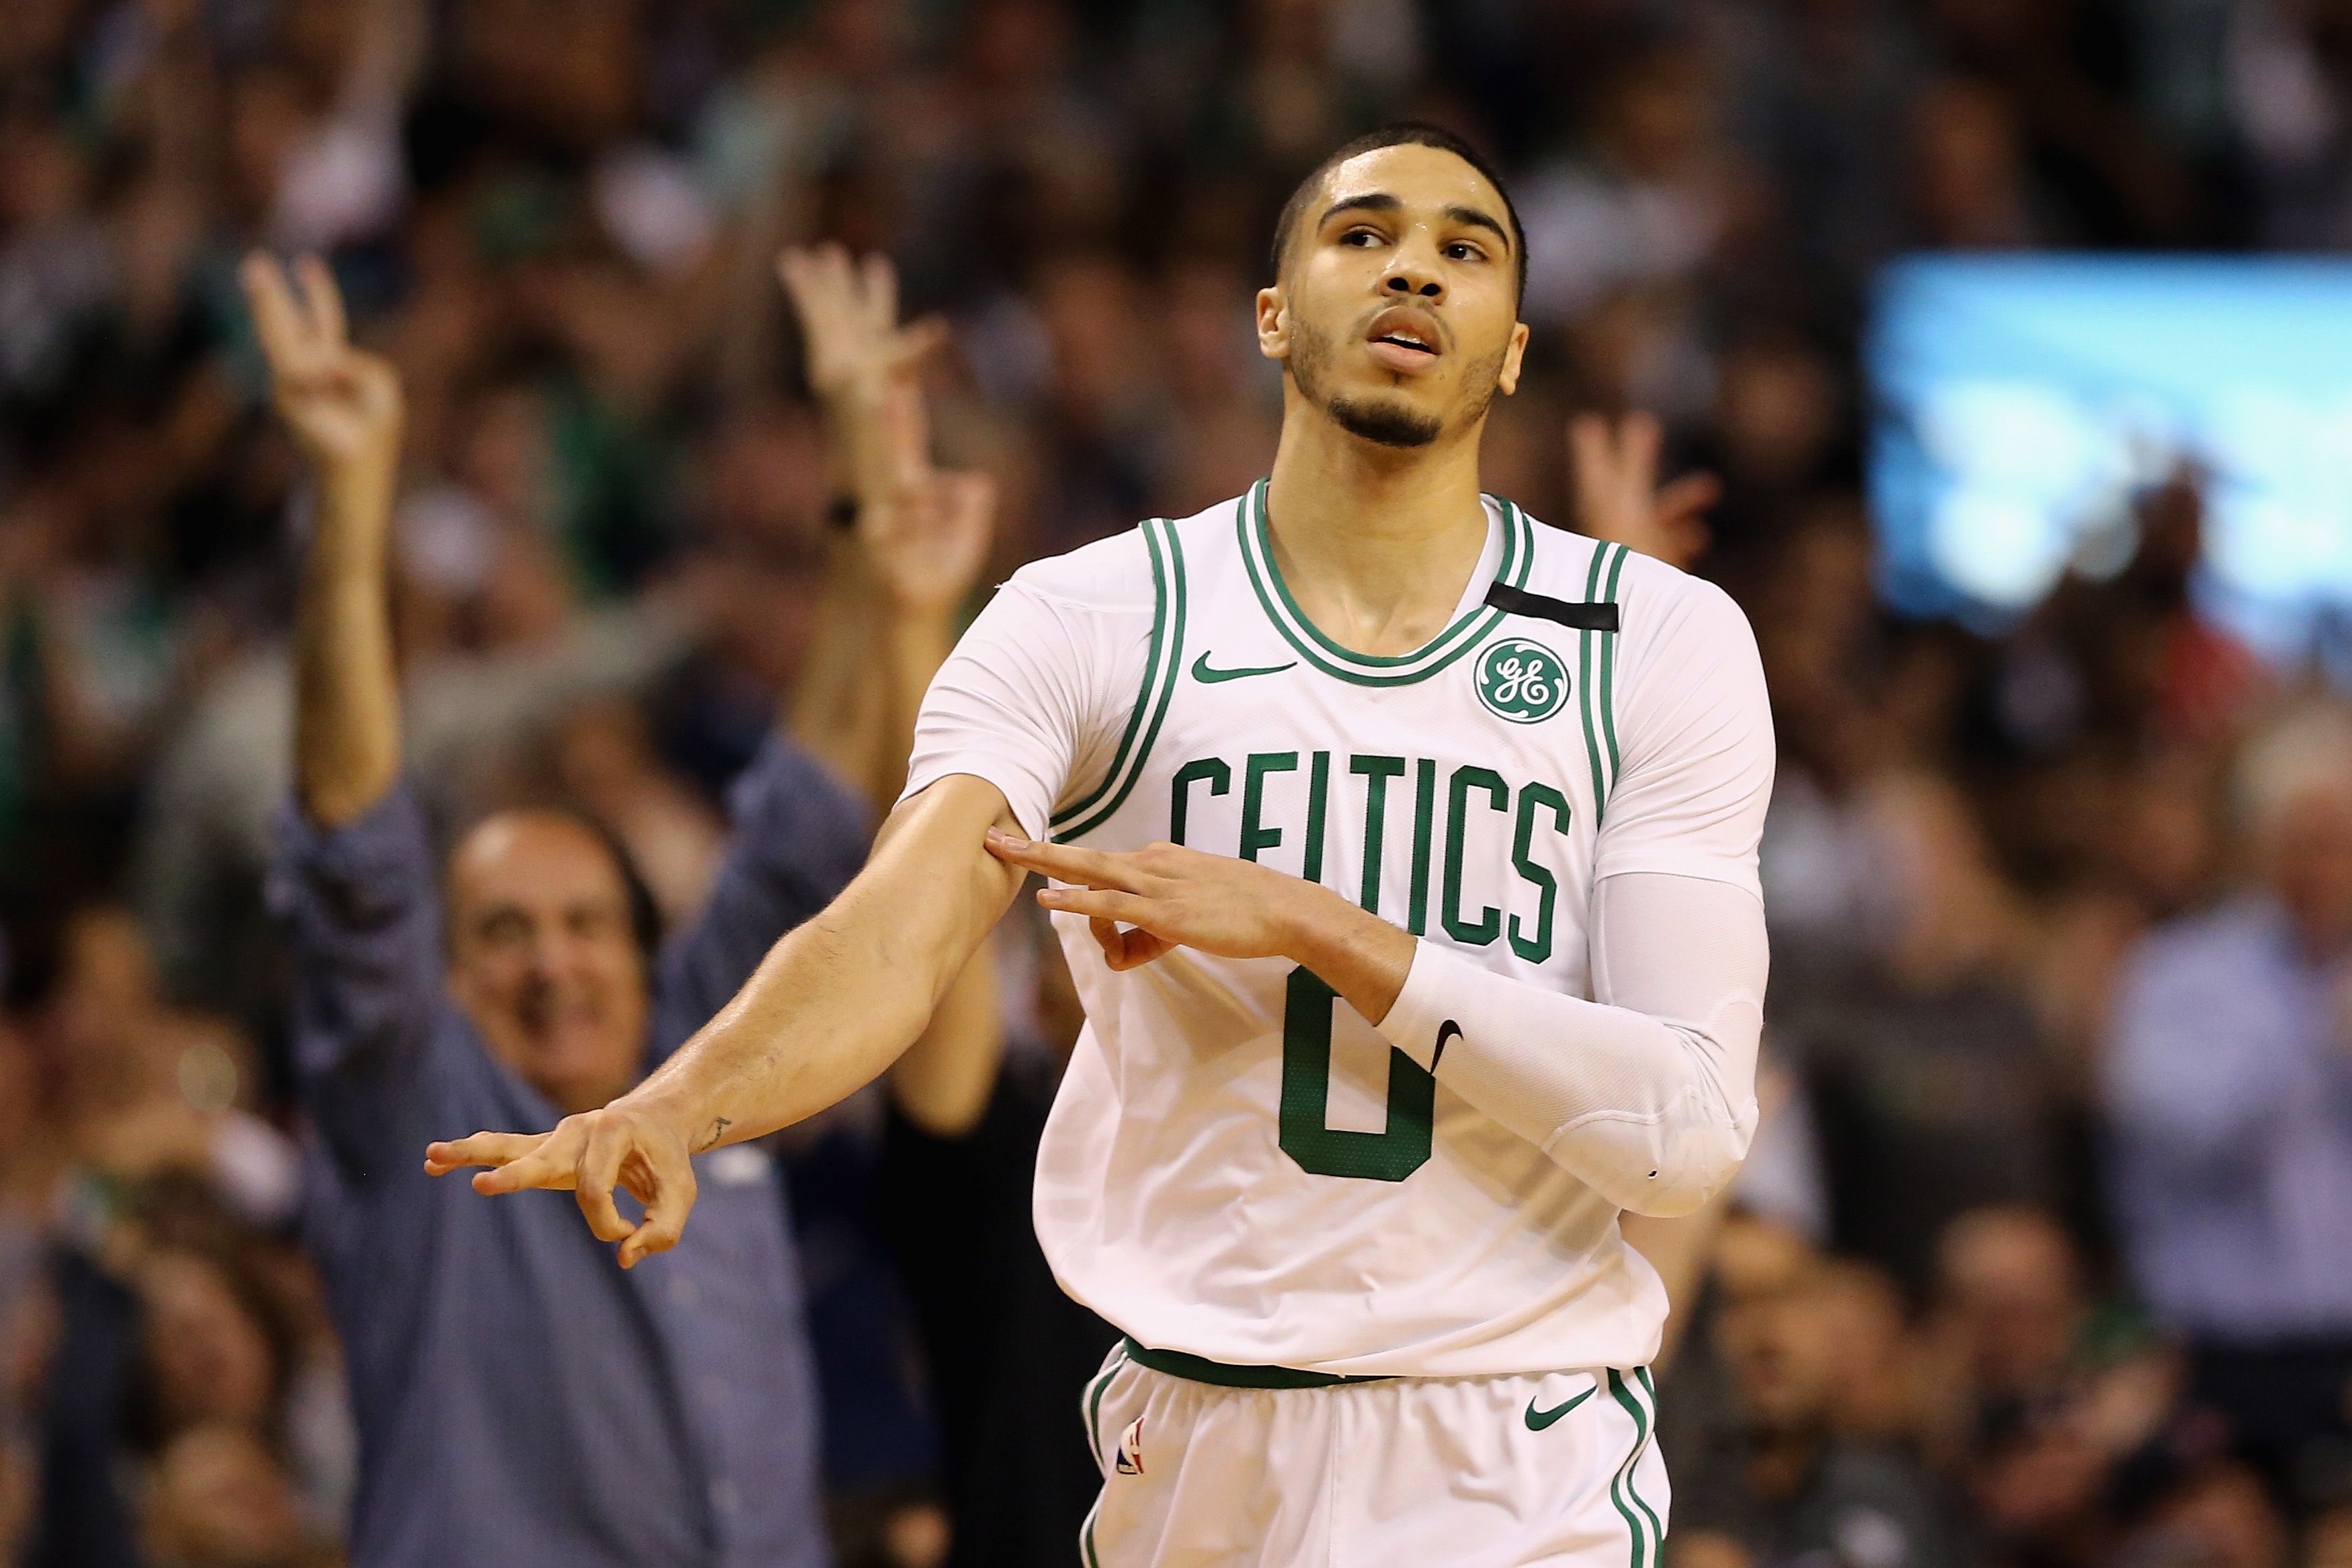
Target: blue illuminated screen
x,y
2021,403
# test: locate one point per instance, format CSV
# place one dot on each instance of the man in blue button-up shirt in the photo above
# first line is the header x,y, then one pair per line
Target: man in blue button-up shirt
x,y
521,1399
2229,1086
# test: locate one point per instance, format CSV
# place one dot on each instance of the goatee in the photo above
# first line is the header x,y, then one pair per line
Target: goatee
x,y
1387,423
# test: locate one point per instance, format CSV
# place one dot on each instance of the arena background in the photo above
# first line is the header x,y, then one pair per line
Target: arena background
x,y
1932,1332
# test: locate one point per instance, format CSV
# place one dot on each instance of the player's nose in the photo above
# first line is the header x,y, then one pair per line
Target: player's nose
x,y
1416,275
1418,285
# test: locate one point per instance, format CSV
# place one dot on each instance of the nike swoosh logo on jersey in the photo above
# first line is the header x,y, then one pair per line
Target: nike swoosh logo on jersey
x,y
1209,677
1538,1419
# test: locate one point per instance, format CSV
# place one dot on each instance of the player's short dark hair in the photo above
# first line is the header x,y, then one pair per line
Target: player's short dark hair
x,y
1404,133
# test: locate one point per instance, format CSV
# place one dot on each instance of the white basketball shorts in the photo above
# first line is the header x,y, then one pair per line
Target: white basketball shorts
x,y
1208,1466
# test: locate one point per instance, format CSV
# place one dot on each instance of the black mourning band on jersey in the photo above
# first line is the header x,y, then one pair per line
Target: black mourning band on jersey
x,y
1601,616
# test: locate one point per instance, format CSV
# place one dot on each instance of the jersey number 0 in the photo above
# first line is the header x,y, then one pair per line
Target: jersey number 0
x,y
1390,1155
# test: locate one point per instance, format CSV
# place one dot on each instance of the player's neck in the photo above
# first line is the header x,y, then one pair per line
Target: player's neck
x,y
1376,544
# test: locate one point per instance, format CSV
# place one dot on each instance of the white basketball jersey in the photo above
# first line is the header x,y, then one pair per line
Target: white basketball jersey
x,y
1237,1165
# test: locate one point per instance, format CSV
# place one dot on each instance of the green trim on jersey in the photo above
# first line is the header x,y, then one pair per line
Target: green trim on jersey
x,y
1600,731
1201,1369
1648,1548
1609,666
1467,631
1163,662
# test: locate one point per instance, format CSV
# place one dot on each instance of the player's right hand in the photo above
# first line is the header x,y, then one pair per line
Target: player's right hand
x,y
588,1155
342,403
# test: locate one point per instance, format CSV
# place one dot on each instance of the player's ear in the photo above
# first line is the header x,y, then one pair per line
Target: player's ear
x,y
1513,353
1273,323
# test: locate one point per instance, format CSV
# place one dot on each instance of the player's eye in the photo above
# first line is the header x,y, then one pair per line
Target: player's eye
x,y
1463,250
1361,237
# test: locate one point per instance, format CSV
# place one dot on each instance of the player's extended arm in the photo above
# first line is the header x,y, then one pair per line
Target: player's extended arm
x,y
1647,1095
344,408
831,1007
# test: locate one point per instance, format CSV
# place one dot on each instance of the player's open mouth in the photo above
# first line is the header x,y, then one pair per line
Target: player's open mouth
x,y
1405,340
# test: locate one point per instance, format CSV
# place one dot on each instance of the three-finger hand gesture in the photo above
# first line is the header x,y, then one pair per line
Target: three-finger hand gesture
x,y
342,403
925,533
848,311
588,1155
1618,497
1176,897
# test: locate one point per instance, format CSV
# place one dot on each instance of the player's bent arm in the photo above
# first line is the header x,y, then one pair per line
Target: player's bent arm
x,y
829,1009
1646,1095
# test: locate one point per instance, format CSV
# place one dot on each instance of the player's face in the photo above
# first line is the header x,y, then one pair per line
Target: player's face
x,y
542,958
1397,316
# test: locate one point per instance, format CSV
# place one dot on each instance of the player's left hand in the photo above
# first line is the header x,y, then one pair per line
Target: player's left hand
x,y
1175,897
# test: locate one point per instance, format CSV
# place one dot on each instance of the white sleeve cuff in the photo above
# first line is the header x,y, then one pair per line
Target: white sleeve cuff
x,y
1417,1022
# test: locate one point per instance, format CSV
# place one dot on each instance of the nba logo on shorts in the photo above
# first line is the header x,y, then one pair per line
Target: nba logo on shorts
x,y
1130,1450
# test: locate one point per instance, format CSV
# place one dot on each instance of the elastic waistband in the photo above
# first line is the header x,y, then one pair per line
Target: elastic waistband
x,y
1201,1369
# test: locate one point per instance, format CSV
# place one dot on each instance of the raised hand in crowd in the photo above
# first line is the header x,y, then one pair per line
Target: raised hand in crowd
x,y
848,310
925,532
919,534
342,403
1614,463
344,407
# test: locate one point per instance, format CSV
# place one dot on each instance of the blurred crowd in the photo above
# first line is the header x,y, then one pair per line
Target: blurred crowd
x,y
2045,1258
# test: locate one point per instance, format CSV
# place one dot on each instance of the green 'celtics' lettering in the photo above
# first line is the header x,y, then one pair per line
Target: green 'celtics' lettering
x,y
1425,812
1489,924
1537,948
1220,778
1318,785
1447,806
1377,772
1261,763
1321,1150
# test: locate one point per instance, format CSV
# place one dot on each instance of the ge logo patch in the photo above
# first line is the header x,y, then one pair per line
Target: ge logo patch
x,y
1521,681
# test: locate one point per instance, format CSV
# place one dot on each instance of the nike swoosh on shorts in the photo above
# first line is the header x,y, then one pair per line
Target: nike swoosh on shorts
x,y
1538,1419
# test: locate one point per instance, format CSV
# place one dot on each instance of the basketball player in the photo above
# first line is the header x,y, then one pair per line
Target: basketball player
x,y
1351,792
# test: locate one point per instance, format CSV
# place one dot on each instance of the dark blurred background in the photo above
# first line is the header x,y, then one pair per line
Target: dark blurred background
x,y
2045,1255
